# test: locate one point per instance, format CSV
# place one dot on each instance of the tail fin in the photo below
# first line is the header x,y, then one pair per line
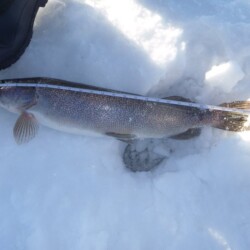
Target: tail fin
x,y
232,121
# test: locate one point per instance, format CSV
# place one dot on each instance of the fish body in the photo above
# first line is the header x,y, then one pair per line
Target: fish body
x,y
77,112
89,113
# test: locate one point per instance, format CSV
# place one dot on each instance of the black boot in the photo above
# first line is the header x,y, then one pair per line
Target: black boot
x,y
16,28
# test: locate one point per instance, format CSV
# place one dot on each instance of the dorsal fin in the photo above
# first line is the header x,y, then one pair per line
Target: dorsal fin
x,y
182,107
177,98
190,133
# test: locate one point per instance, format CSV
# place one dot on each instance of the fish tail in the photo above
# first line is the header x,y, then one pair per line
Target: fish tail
x,y
232,120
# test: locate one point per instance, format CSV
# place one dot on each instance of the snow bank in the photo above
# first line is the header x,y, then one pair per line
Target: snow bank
x,y
68,192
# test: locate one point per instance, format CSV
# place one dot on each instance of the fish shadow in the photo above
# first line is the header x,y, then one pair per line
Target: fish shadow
x,y
151,154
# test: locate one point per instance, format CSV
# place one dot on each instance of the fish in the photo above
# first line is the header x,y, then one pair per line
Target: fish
x,y
100,111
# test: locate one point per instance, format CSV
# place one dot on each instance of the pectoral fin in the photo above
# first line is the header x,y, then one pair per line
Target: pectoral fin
x,y
26,128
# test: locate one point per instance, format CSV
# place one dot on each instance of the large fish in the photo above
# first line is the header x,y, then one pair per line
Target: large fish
x,y
125,118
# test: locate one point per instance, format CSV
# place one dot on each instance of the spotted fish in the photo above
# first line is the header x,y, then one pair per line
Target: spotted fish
x,y
90,113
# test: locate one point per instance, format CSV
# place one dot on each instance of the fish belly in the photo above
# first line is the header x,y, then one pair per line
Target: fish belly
x,y
64,127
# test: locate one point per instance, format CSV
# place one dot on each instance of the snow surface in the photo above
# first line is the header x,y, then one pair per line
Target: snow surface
x,y
72,192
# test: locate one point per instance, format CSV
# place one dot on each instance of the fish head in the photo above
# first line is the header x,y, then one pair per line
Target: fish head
x,y
17,99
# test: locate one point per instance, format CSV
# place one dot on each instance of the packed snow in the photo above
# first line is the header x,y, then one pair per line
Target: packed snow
x,y
65,191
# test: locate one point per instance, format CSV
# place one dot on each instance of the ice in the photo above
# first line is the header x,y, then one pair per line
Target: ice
x,y
65,191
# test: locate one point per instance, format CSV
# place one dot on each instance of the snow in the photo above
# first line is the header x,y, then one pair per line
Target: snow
x,y
225,76
65,191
